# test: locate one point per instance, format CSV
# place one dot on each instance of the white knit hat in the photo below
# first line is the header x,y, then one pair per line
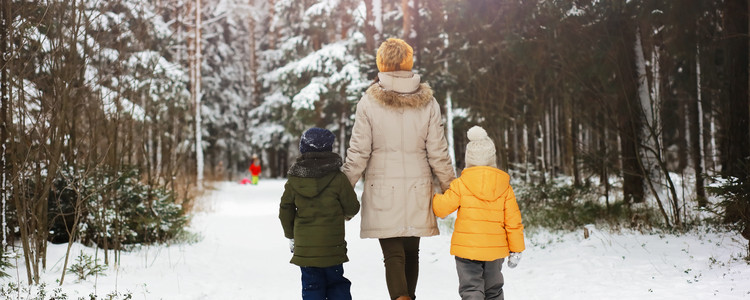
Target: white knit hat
x,y
481,150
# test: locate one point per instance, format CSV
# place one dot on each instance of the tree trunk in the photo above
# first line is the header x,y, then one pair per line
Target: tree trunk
x,y
695,122
197,91
406,29
735,143
683,114
343,120
5,29
377,6
629,121
369,27
527,148
603,151
568,158
449,127
577,140
273,35
254,63
707,120
417,40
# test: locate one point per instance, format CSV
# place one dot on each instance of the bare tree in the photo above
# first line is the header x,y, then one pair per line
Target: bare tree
x,y
6,48
197,61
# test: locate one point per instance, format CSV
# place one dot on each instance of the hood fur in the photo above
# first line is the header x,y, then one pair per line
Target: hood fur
x,y
421,97
315,164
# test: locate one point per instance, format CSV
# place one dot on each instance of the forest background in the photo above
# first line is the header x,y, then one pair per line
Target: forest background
x,y
114,113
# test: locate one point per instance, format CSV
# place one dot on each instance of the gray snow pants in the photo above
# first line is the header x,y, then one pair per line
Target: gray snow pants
x,y
480,280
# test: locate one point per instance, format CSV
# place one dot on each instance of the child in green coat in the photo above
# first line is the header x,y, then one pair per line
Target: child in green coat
x,y
317,199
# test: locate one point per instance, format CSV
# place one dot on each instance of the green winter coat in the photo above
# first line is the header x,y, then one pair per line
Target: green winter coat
x,y
317,199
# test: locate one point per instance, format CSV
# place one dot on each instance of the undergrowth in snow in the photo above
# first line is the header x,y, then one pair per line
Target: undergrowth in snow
x,y
238,251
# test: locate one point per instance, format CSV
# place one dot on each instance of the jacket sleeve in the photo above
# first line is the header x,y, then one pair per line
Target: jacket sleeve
x,y
348,198
360,145
448,202
513,224
287,211
437,148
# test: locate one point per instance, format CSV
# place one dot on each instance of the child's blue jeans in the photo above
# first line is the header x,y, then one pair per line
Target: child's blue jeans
x,y
325,283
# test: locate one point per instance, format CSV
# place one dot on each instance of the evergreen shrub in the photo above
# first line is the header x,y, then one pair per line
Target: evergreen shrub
x,y
734,205
555,204
86,266
5,264
116,209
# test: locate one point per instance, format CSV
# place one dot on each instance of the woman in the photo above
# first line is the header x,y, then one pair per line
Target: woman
x,y
398,141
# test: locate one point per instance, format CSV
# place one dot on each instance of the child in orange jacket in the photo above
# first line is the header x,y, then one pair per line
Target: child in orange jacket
x,y
488,225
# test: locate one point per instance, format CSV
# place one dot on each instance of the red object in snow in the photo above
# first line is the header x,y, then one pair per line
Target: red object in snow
x,y
255,169
245,181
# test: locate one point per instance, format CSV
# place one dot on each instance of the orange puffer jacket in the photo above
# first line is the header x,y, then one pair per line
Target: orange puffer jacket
x,y
488,225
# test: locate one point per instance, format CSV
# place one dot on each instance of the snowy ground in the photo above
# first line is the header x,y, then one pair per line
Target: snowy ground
x,y
243,255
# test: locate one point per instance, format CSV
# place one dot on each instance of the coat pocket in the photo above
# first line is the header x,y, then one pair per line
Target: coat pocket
x,y
421,193
381,195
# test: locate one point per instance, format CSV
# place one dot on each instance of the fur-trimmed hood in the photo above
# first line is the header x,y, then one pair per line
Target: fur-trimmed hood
x,y
315,164
400,89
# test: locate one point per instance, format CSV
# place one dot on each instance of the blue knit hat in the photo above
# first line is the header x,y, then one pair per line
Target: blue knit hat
x,y
316,140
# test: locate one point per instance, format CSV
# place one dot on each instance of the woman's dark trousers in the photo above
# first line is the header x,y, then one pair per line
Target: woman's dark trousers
x,y
401,257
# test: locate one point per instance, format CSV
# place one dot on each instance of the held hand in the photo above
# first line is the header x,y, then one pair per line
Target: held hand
x,y
291,245
513,259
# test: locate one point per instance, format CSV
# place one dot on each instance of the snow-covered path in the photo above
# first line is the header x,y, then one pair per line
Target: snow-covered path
x,y
243,233
243,255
